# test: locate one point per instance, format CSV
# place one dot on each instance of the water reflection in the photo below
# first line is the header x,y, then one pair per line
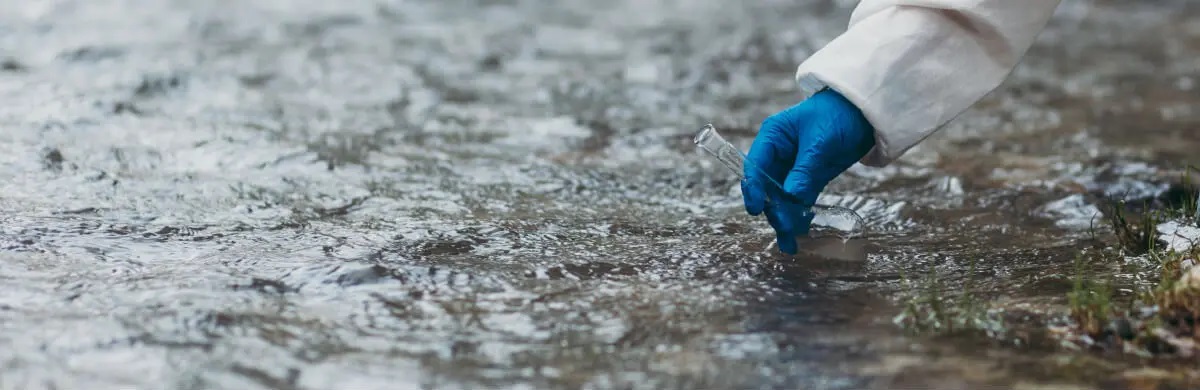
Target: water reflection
x,y
381,195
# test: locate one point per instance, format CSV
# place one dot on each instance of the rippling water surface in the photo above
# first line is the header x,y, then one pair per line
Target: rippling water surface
x,y
504,194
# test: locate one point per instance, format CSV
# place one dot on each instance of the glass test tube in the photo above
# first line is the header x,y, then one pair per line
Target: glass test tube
x,y
840,218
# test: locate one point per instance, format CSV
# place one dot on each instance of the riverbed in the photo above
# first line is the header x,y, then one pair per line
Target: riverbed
x,y
452,194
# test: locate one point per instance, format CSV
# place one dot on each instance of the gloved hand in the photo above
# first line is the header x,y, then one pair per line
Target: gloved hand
x,y
803,148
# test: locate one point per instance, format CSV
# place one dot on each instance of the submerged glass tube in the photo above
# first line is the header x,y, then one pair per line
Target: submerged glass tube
x,y
840,218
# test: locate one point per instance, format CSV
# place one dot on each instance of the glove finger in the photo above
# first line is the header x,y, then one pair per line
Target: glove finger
x,y
794,218
762,154
787,243
779,209
807,178
753,197
783,236
803,223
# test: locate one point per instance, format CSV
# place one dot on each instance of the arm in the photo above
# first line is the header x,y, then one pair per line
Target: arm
x,y
911,66
901,71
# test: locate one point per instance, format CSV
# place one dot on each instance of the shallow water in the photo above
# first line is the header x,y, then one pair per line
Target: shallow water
x,y
504,194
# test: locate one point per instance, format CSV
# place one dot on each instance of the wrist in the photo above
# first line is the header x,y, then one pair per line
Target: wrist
x,y
843,106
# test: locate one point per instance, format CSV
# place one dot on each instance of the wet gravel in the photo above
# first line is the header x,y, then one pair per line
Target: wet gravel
x,y
503,194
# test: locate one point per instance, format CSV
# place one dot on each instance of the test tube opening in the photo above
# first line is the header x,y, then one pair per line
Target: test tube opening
x,y
709,140
705,134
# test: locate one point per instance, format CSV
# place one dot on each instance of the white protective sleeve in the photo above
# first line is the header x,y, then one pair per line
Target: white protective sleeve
x,y
912,66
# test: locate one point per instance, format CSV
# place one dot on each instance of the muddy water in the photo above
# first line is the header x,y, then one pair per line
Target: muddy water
x,y
457,194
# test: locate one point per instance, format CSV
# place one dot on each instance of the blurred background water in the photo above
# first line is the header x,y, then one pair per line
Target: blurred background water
x,y
504,194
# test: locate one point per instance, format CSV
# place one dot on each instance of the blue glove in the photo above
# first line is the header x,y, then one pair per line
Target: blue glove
x,y
803,148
